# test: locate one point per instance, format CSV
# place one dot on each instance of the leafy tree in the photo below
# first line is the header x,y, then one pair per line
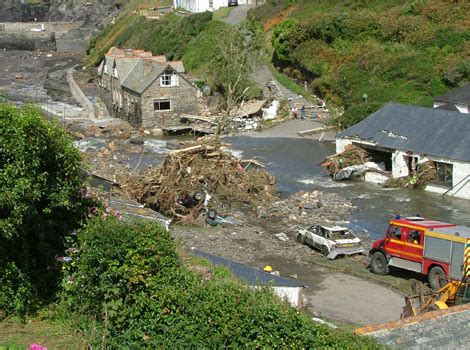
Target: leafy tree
x,y
40,202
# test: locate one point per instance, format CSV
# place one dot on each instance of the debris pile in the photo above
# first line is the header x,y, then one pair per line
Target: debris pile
x,y
425,174
200,179
303,209
351,156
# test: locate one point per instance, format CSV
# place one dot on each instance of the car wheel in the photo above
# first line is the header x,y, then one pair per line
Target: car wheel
x,y
301,238
212,214
324,250
379,263
436,278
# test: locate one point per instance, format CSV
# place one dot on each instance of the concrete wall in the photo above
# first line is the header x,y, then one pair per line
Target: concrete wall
x,y
341,145
460,176
34,35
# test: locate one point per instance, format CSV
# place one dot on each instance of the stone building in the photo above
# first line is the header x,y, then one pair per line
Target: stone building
x,y
405,136
145,90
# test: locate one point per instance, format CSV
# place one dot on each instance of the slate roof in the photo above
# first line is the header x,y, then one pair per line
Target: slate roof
x,y
250,275
429,131
446,331
457,96
124,66
142,75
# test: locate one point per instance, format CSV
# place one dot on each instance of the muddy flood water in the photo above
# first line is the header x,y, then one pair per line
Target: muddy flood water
x,y
294,162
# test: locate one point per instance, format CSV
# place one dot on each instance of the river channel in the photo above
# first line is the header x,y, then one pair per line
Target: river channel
x,y
294,163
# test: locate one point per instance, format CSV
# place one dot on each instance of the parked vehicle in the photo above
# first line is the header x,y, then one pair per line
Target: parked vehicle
x,y
433,248
331,241
232,2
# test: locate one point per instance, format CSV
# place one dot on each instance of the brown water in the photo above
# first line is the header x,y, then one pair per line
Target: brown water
x,y
294,162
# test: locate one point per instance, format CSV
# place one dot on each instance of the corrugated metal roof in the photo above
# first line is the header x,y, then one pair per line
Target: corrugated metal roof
x,y
428,131
250,275
458,96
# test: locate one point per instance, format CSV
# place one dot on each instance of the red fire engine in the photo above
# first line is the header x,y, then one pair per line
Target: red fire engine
x,y
432,248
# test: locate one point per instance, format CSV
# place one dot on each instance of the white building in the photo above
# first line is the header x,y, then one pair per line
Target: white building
x,y
456,100
405,136
197,6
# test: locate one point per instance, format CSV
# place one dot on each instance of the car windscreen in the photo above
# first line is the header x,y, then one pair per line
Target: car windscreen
x,y
341,235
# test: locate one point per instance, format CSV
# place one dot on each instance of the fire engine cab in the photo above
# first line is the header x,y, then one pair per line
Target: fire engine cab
x,y
433,248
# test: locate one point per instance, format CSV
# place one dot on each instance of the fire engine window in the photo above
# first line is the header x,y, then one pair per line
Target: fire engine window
x,y
414,236
396,232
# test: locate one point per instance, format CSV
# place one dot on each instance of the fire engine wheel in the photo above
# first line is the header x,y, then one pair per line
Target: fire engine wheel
x,y
379,263
324,250
436,278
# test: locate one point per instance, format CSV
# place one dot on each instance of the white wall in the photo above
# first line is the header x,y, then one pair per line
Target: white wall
x,y
197,6
341,145
291,294
399,166
459,172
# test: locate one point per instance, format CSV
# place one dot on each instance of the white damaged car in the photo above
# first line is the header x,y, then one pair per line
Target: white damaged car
x,y
331,241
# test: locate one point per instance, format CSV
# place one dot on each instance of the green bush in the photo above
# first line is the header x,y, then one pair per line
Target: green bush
x,y
40,203
127,288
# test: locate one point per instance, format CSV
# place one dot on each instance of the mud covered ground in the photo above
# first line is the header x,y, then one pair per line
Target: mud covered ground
x,y
36,76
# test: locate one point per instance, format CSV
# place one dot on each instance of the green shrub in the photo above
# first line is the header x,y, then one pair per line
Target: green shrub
x,y
129,289
40,203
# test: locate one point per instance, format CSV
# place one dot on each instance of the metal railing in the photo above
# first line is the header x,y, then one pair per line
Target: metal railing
x,y
458,183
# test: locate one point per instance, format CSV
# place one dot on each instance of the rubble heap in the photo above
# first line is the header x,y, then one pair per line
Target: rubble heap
x,y
352,155
303,209
197,177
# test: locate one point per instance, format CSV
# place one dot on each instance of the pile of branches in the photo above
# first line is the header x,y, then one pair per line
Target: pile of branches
x,y
199,176
352,155
424,175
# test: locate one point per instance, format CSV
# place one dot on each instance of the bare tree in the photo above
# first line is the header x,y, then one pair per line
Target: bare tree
x,y
236,54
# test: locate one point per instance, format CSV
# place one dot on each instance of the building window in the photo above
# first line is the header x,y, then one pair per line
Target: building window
x,y
162,105
444,174
168,78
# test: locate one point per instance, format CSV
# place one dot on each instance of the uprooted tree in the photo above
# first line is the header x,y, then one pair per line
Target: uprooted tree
x,y
236,53
200,176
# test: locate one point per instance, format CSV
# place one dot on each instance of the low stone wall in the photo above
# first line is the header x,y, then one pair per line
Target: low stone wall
x,y
79,96
33,35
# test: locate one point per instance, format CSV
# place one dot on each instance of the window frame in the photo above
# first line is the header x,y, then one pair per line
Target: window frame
x,y
168,78
159,102
447,179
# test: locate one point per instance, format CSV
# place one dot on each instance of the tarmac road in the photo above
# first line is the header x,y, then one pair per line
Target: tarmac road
x,y
238,14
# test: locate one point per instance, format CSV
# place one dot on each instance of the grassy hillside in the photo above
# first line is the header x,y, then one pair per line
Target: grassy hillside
x,y
389,50
176,37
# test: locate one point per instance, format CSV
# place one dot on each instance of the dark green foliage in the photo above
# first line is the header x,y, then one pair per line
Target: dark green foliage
x,y
40,202
129,289
169,36
397,51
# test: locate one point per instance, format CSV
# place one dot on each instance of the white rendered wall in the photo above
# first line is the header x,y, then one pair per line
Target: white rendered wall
x,y
290,294
341,145
399,166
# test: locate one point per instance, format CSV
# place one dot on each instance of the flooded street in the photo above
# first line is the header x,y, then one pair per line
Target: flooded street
x,y
294,163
